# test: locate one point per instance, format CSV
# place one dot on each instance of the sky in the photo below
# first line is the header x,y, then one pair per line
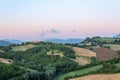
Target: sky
x,y
41,19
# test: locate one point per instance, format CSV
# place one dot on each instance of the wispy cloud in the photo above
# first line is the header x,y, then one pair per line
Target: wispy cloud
x,y
74,31
54,31
49,32
42,34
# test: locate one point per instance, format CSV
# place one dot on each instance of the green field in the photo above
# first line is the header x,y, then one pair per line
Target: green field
x,y
113,46
55,52
79,72
23,48
102,39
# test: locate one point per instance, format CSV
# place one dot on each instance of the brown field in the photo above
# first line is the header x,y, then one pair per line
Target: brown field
x,y
82,60
100,77
105,54
84,52
83,55
6,61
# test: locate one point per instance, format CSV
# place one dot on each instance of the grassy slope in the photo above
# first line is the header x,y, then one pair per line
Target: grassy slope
x,y
23,48
56,52
80,72
104,39
113,46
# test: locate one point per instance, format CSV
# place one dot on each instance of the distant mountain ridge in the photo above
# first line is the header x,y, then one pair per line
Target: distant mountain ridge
x,y
117,36
7,42
4,43
63,41
14,41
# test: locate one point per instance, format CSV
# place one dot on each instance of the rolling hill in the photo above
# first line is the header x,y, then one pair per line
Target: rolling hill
x,y
14,41
117,36
63,41
7,42
4,43
97,41
51,61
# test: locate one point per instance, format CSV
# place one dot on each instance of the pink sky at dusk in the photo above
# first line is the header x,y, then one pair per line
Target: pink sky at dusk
x,y
35,20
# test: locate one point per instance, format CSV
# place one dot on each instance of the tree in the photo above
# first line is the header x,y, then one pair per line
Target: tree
x,y
93,60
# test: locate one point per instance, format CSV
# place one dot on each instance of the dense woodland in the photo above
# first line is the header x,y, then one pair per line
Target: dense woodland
x,y
36,64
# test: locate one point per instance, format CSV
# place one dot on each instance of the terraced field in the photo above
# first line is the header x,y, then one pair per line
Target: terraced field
x,y
23,48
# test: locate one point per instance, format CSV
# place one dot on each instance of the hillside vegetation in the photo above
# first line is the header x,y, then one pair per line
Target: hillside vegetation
x,y
34,60
104,52
23,47
51,61
98,41
115,47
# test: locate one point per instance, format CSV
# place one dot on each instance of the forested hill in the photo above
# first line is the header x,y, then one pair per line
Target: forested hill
x,y
35,61
100,40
